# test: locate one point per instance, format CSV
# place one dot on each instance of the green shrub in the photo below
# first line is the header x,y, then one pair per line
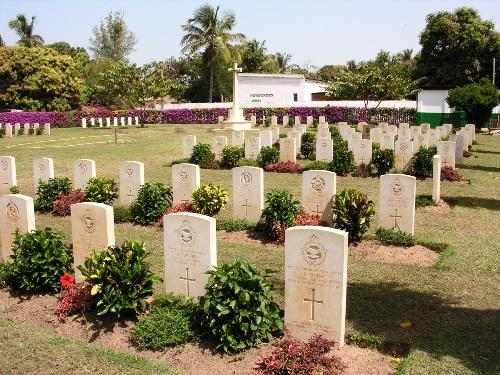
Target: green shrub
x,y
383,160
39,131
308,145
122,214
179,161
120,278
20,131
421,163
2,132
335,132
317,166
352,212
395,238
170,323
202,154
281,209
234,225
210,199
101,190
269,155
343,160
48,191
238,308
153,198
15,189
5,275
424,200
248,163
230,156
39,259
31,131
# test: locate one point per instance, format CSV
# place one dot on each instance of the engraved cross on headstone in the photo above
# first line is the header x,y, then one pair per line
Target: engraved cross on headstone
x,y
246,205
130,196
187,279
313,302
396,216
6,187
318,212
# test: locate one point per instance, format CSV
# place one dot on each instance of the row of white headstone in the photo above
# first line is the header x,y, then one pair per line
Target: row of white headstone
x,y
285,120
14,130
124,121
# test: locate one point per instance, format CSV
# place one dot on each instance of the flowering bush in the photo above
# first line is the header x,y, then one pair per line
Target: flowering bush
x,y
302,218
182,207
75,298
283,167
62,205
298,357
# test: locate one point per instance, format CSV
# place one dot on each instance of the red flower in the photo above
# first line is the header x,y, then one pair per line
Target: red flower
x,y
67,280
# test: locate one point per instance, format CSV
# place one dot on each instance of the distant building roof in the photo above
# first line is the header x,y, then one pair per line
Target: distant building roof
x,y
265,75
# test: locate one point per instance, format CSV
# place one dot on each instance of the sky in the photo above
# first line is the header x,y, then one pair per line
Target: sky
x,y
314,32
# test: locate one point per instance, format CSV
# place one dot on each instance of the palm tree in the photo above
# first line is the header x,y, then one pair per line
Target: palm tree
x,y
2,43
210,32
282,61
25,31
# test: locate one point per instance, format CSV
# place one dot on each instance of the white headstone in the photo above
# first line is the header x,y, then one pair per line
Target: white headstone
x,y
403,133
99,121
92,121
274,120
122,121
472,130
436,178
115,122
108,122
288,151
253,120
43,170
387,141
433,137
404,153
425,127
276,133
238,138
323,133
136,120
131,180
16,212
218,144
285,120
190,247
309,121
384,126
322,119
459,147
26,128
36,125
420,140
375,135
220,119
17,126
46,129
248,193
8,130
318,188
92,228
295,134
266,138
185,179
83,171
324,150
84,122
252,148
188,142
414,131
297,120
129,121
446,150
316,282
8,176
392,129
397,202
362,150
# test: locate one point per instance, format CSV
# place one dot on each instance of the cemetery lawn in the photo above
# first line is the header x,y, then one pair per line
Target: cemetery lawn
x,y
454,305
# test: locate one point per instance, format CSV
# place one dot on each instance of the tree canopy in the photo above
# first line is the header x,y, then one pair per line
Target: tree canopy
x,y
24,30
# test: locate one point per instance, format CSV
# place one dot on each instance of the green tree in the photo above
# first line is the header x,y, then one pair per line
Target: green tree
x,y
253,56
282,61
37,79
210,33
25,31
476,99
79,55
112,39
457,48
329,72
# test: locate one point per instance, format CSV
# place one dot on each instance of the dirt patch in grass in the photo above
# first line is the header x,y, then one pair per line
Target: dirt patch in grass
x,y
374,250
440,207
197,359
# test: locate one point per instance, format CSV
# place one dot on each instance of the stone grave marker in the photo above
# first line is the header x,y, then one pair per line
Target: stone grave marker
x,y
188,142
131,180
99,121
436,178
316,282
36,125
324,150
375,134
8,176
459,147
8,130
92,228
433,137
17,126
252,148
220,119
472,130
403,134
108,122
43,170
424,128
318,188
274,120
297,120
218,144
122,121
185,179
84,122
288,150
129,121
420,140
362,150
16,212
384,126
355,136
92,122
248,193
253,120
136,120
323,133
238,138
83,171
298,140
190,247
26,128
266,138
115,122
446,149
322,119
397,202
46,128
392,129
276,133
285,120
387,141
404,153
414,131
309,121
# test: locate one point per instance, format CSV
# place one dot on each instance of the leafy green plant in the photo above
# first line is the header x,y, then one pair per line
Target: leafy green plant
x,y
2,132
20,131
335,132
238,308
39,259
48,191
202,154
268,155
383,160
424,200
343,160
316,166
153,198
248,163
179,161
122,214
421,163
230,156
170,323
352,212
5,275
101,190
120,278
39,131
234,225
210,199
308,145
31,131
395,238
280,211
14,189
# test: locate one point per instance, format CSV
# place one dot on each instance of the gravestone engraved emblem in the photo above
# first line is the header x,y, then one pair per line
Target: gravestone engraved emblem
x,y
397,188
88,221
318,183
41,167
185,233
313,251
403,146
82,167
129,172
246,178
12,211
3,165
183,176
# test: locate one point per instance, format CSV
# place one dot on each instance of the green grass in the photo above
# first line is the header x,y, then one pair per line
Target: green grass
x,y
454,305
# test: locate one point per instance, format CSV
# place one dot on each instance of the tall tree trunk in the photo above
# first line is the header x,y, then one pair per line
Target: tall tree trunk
x,y
211,89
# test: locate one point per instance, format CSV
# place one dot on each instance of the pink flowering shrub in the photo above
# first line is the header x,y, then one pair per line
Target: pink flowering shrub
x,y
283,167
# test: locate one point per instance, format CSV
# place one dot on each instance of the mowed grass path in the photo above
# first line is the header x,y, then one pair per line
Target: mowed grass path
x,y
454,306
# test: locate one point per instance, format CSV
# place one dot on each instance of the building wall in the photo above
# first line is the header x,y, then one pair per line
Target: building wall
x,y
271,89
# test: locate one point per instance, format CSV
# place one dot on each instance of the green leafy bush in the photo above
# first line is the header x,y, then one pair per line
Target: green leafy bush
x,y
248,163
39,131
101,190
421,163
20,131
352,212
179,161
153,198
15,189
2,132
210,199
203,156
424,200
38,261
5,275
383,160
395,238
238,308
308,145
234,225
230,156
122,214
269,155
343,160
170,323
280,211
316,166
120,278
48,191
31,131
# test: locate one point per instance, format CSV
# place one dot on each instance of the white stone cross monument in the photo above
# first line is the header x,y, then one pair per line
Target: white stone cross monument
x,y
236,120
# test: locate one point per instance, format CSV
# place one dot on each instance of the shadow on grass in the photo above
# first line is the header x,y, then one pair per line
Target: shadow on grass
x,y
487,152
474,202
484,168
439,327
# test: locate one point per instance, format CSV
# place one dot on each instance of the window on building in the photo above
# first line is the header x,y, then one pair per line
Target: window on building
x,y
295,97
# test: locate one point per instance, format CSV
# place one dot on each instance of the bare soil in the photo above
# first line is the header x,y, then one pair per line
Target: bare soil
x,y
197,359
440,207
